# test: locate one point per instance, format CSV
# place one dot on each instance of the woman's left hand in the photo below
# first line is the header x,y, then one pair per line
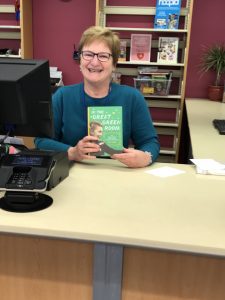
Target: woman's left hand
x,y
133,158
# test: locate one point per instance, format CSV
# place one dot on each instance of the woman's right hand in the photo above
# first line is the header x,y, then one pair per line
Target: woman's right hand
x,y
83,149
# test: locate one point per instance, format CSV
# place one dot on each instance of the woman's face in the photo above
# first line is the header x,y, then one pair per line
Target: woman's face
x,y
95,71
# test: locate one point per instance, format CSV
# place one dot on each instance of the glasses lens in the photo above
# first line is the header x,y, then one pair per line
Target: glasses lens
x,y
103,56
87,55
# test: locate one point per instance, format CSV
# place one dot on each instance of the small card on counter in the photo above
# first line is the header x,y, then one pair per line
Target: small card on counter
x,y
165,172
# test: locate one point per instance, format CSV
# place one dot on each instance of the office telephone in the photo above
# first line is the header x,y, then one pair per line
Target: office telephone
x,y
24,175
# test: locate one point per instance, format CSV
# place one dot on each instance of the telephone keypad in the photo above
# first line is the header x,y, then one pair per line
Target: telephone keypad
x,y
20,180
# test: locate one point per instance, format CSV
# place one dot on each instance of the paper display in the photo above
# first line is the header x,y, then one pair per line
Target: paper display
x,y
140,47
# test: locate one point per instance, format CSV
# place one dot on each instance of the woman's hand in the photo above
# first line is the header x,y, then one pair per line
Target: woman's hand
x,y
83,148
134,158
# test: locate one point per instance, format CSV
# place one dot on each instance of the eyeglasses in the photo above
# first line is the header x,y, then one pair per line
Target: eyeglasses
x,y
102,56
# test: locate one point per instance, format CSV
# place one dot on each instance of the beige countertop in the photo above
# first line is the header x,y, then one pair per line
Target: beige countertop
x,y
205,139
104,201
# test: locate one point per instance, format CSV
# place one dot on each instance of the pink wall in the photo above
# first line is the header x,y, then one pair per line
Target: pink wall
x,y
208,27
57,25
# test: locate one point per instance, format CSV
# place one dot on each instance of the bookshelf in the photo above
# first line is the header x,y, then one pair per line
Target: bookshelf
x,y
167,110
13,34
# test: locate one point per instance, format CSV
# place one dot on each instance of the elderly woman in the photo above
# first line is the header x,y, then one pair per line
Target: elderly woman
x,y
99,50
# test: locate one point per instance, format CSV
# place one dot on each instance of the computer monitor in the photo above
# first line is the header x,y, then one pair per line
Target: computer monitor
x,y
25,98
25,110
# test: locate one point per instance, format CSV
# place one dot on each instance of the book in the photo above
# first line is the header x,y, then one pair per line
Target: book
x,y
161,86
106,123
167,14
123,50
168,50
140,47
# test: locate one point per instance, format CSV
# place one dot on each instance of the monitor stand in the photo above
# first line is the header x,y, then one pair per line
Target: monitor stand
x,y
18,201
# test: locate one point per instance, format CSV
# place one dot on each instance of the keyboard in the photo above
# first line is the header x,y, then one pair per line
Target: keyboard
x,y
219,124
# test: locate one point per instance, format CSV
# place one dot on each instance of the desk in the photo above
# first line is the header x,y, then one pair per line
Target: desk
x,y
164,224
205,140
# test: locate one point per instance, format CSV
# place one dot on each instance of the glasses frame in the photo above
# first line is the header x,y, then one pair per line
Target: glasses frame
x,y
95,54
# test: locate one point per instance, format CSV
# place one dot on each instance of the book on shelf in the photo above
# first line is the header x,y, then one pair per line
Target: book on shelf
x,y
123,50
161,86
9,52
140,47
106,123
168,50
167,14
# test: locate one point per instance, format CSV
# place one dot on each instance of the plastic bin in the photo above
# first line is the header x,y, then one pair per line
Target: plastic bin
x,y
159,87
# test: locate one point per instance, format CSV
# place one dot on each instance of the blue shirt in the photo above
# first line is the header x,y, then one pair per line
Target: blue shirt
x,y
70,118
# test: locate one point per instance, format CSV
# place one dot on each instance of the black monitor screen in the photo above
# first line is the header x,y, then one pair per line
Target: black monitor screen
x,y
25,98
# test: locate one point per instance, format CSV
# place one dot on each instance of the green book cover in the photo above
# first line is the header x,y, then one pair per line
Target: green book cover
x,y
106,123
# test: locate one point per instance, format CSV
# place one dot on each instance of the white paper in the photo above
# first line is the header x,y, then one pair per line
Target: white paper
x,y
209,166
53,69
165,172
57,74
